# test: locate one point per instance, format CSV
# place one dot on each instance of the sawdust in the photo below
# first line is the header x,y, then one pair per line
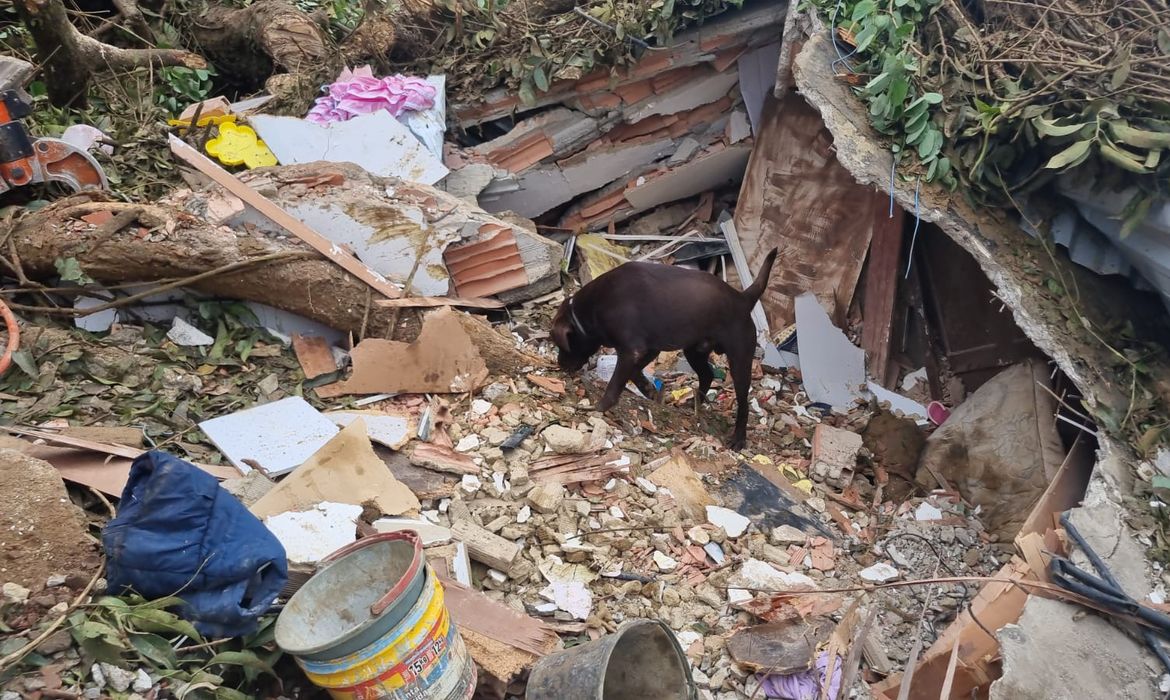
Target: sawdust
x,y
41,532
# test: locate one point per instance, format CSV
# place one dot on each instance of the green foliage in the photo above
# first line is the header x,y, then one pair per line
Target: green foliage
x,y
132,632
484,44
956,111
183,86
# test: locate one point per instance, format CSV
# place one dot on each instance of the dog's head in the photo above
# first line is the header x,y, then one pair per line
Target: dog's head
x,y
574,348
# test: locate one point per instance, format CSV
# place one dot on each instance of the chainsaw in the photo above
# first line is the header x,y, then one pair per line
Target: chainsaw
x,y
25,160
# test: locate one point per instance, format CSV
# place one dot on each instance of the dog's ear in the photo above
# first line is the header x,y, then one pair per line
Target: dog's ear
x,y
560,334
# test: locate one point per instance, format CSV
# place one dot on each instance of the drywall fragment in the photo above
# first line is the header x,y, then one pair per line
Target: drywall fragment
x,y
311,535
732,523
344,470
833,369
707,172
757,78
275,437
186,335
879,573
389,429
429,125
900,404
431,533
738,128
377,142
443,359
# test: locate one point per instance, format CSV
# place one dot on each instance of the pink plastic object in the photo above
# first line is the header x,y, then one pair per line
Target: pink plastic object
x,y
358,92
937,413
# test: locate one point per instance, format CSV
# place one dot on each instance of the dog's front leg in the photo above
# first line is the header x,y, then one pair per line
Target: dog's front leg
x,y
627,365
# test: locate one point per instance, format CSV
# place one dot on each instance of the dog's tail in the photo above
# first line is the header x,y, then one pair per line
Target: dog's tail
x,y
756,289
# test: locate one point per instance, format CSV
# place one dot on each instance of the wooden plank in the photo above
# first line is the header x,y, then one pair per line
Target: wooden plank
x,y
429,302
486,547
281,218
881,290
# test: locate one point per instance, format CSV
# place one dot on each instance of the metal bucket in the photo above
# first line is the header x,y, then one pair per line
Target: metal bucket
x,y
359,641
641,660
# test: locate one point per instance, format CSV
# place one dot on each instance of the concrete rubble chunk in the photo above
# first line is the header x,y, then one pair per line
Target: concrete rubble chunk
x,y
834,455
563,440
547,498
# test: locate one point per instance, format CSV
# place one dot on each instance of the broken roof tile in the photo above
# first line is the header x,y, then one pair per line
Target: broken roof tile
x,y
487,266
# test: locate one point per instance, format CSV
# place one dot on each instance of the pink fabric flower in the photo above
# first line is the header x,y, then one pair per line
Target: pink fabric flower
x,y
358,92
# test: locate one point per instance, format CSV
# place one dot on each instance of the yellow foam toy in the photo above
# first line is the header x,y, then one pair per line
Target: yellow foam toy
x,y
238,145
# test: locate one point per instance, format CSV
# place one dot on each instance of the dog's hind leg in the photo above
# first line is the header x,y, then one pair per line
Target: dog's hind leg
x,y
700,361
739,361
644,385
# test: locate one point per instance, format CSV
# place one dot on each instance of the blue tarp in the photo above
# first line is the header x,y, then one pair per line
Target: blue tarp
x,y
177,532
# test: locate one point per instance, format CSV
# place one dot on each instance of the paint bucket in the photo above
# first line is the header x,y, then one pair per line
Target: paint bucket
x,y
372,624
641,660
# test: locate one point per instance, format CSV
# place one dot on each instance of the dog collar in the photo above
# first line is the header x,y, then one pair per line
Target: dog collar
x,y
576,321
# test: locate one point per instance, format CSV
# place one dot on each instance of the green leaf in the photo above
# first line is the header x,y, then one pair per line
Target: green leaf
x,y
223,693
1051,128
1122,158
162,622
246,659
93,629
112,603
526,93
1138,137
163,603
154,648
865,37
1135,212
1120,75
1072,156
863,9
879,83
541,80
69,269
1164,41
932,98
930,144
898,90
24,360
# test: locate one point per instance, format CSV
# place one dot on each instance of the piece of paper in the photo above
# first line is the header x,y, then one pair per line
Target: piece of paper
x,y
276,437
444,359
345,470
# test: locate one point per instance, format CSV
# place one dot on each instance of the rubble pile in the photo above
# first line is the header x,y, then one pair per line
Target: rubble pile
x,y
311,425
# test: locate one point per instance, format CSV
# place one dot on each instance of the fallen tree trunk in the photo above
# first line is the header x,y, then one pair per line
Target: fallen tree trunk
x,y
70,58
250,44
182,245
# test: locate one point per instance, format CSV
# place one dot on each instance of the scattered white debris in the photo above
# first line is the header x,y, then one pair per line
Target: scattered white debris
x,y
879,573
648,487
732,523
913,378
664,563
14,593
311,535
481,407
497,576
142,682
616,512
612,484
573,597
471,483
431,533
186,335
468,443
524,515
927,511
714,551
699,535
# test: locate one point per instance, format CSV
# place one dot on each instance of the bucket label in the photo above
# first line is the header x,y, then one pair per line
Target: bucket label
x,y
439,669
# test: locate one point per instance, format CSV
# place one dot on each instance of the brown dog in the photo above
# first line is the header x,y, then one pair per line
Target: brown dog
x,y
641,309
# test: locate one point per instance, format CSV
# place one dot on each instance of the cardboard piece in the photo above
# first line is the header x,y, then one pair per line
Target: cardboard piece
x,y
281,218
81,461
275,437
377,142
314,354
345,470
443,359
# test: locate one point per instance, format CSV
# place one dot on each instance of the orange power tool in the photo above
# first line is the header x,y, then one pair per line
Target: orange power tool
x,y
25,160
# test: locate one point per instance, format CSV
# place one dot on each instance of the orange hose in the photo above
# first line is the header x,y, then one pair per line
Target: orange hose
x,y
13,336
